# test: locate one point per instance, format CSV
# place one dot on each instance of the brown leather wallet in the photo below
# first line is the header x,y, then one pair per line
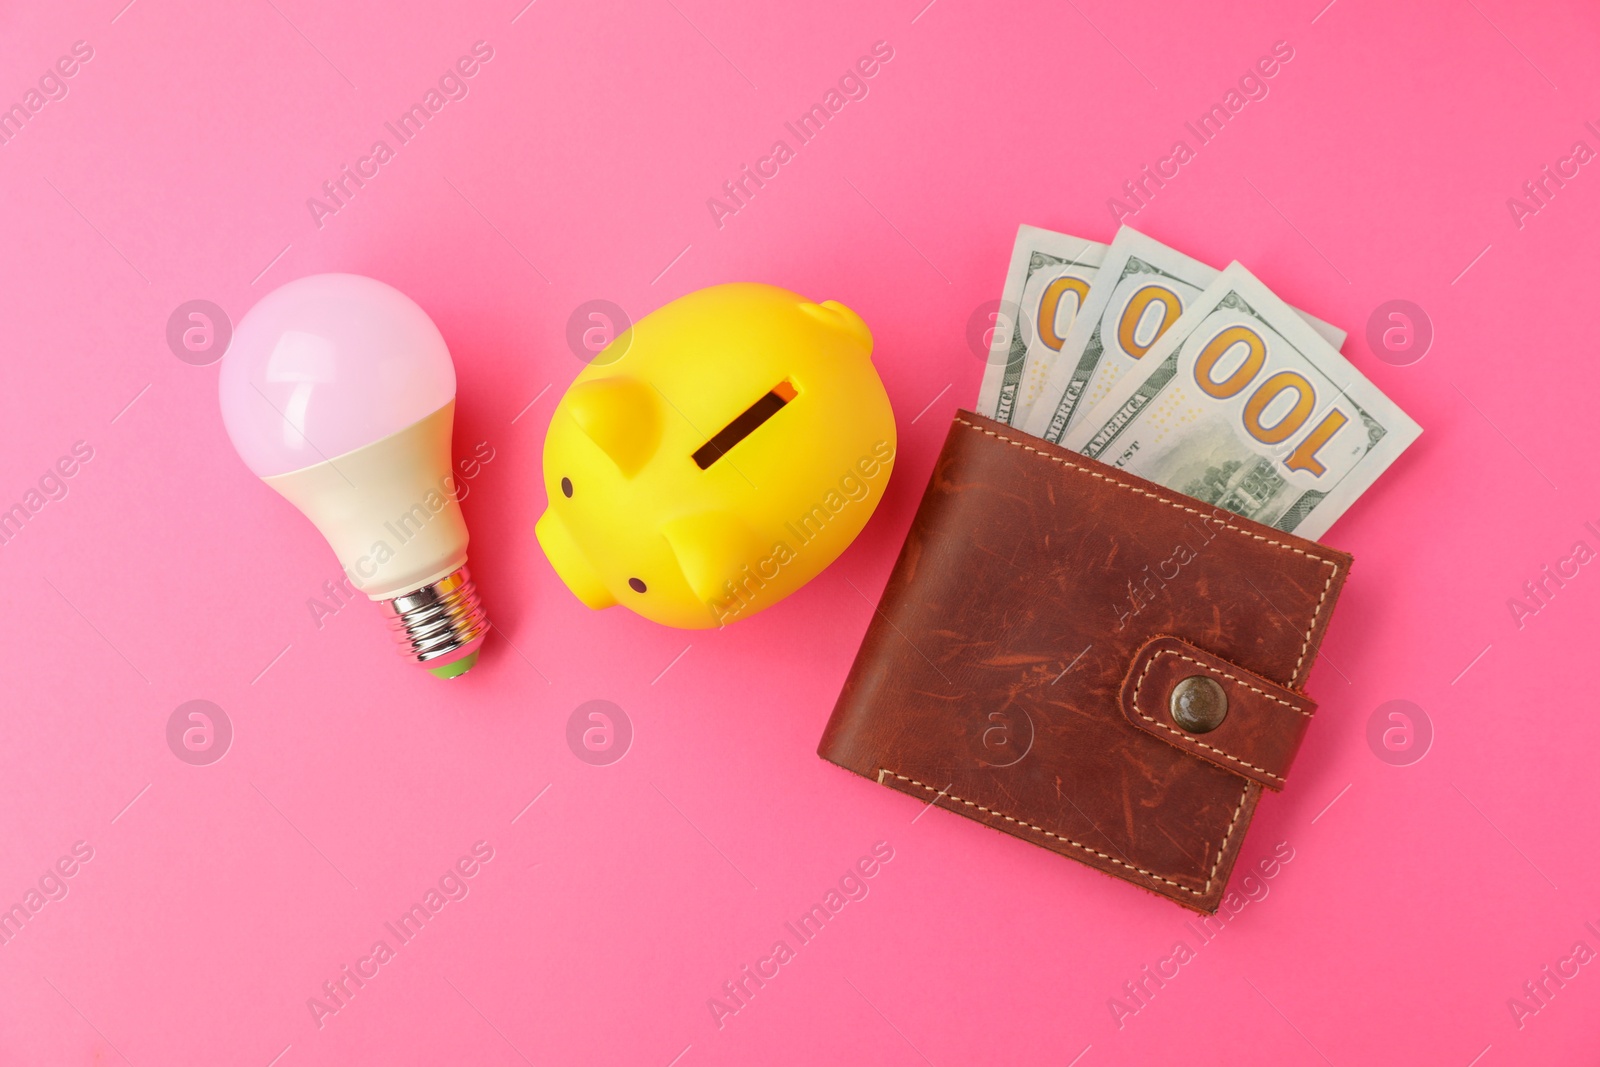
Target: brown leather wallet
x,y
1087,661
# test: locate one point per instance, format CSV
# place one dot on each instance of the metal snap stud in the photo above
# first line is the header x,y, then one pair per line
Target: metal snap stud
x,y
1199,704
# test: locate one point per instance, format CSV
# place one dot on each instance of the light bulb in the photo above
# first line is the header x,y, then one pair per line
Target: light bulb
x,y
338,391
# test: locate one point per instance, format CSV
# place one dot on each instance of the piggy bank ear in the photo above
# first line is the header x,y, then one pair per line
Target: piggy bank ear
x,y
712,548
841,318
621,415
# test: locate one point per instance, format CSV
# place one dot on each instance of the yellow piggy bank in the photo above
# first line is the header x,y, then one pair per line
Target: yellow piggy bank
x,y
717,456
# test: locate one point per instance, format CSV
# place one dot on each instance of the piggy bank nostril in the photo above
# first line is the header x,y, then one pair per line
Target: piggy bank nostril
x,y
566,488
636,585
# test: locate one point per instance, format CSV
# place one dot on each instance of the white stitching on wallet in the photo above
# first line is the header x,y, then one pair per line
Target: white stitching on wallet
x,y
1202,891
1333,568
1207,667
1189,737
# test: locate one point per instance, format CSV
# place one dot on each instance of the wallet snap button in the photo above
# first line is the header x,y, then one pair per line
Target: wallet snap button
x,y
1199,704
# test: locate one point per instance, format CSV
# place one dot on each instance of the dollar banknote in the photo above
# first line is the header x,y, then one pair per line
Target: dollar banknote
x,y
1049,277
1141,289
1243,405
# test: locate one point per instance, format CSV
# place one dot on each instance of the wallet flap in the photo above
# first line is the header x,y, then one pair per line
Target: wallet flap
x,y
1216,710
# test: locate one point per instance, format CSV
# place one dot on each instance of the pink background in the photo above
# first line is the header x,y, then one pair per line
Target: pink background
x,y
220,898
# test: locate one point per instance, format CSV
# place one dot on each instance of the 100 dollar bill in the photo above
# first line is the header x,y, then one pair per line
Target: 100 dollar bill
x,y
1244,406
1049,277
1141,289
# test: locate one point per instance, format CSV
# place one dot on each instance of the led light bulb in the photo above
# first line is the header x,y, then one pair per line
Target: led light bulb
x,y
338,391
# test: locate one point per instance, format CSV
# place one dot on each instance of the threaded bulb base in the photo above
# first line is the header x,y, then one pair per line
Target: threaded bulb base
x,y
440,625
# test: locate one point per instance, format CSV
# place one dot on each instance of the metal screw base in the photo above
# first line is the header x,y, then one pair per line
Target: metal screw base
x,y
439,624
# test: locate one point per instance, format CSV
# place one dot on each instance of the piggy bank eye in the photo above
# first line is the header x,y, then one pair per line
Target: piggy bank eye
x,y
636,585
566,488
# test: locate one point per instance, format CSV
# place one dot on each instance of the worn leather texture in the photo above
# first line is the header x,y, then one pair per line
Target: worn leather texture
x,y
1040,612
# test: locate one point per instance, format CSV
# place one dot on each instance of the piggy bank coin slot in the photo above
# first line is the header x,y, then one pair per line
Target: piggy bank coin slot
x,y
744,424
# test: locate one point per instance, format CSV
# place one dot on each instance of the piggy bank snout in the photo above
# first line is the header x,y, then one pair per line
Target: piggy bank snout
x,y
571,565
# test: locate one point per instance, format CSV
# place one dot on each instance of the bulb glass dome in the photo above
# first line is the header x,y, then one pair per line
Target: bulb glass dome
x,y
328,364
